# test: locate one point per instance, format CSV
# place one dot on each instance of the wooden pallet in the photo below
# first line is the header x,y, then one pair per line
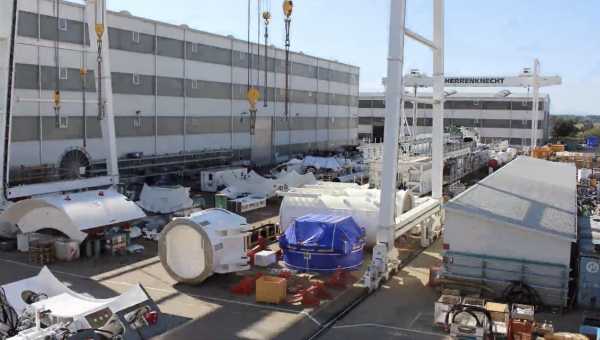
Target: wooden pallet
x,y
40,259
115,252
41,252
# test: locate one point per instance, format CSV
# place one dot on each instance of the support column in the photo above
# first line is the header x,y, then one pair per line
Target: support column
x,y
393,100
437,154
108,123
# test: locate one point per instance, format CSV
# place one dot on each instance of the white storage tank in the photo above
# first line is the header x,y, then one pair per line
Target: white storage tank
x,y
364,210
210,241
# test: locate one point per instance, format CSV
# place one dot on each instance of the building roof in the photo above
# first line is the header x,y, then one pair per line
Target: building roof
x,y
461,95
532,193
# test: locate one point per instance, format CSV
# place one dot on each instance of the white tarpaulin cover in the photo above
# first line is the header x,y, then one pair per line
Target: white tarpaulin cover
x,y
164,200
65,303
72,214
255,184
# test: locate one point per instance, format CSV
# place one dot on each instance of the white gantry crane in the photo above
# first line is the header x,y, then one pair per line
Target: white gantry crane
x,y
95,15
385,255
526,79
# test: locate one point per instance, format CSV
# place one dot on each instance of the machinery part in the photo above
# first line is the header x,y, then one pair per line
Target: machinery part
x,y
56,9
266,16
521,293
99,28
188,247
287,12
253,96
74,163
247,285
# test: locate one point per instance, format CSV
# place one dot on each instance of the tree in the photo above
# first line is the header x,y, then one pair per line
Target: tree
x,y
561,128
587,125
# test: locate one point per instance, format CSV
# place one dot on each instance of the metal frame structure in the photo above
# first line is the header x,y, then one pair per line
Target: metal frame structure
x,y
385,255
526,79
9,15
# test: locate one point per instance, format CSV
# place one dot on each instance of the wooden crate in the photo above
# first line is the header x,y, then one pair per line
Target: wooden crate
x,y
271,289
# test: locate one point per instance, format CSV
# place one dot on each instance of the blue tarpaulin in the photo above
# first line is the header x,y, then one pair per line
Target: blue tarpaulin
x,y
323,243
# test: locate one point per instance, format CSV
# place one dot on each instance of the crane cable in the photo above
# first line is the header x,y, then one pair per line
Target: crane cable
x,y
56,10
253,93
287,12
266,16
99,28
83,73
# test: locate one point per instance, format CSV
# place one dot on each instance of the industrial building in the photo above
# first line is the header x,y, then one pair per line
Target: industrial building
x,y
175,90
505,115
517,224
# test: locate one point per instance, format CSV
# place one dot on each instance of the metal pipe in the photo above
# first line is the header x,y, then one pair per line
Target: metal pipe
x,y
437,153
536,98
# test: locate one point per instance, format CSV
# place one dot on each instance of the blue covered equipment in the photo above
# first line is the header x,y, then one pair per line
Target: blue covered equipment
x,y
323,243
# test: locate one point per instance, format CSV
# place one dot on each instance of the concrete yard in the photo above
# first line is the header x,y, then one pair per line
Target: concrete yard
x,y
403,308
208,311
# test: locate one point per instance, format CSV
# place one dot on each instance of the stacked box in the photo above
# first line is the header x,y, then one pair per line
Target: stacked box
x,y
115,243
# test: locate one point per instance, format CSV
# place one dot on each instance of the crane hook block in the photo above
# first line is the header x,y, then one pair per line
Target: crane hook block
x,y
99,28
56,97
267,16
253,96
287,8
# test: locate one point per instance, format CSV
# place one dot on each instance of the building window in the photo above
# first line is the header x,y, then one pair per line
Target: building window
x,y
242,88
282,91
241,120
524,104
524,122
63,122
476,121
194,47
194,120
194,84
310,94
282,63
136,79
242,56
383,119
524,141
311,68
332,119
137,121
62,73
476,103
309,119
281,120
62,24
241,157
135,36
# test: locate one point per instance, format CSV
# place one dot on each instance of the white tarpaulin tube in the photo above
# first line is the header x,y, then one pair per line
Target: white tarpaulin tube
x,y
209,241
72,214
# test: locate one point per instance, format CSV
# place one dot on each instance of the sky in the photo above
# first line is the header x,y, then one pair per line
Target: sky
x,y
482,37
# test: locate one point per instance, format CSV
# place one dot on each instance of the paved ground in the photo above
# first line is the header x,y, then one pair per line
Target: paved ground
x,y
403,308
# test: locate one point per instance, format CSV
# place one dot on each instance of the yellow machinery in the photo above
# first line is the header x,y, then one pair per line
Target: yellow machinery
x,y
540,153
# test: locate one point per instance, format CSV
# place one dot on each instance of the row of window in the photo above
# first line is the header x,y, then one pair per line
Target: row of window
x,y
63,121
32,25
460,105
